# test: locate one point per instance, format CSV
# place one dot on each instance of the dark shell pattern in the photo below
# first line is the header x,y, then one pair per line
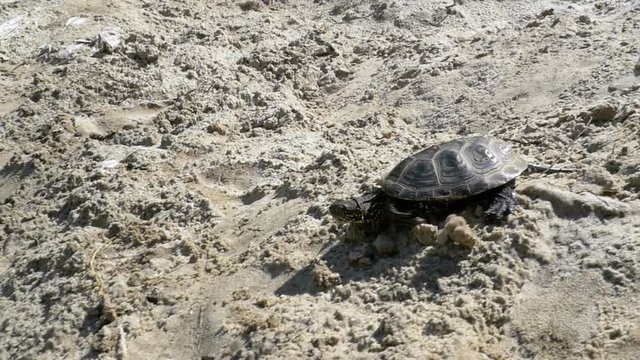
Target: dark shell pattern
x,y
454,170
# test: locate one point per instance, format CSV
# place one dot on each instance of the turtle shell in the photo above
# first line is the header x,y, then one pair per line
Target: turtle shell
x,y
454,170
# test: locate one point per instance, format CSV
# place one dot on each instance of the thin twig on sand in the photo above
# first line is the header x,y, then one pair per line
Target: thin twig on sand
x,y
108,306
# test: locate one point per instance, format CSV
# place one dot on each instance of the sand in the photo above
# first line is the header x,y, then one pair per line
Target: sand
x,y
166,170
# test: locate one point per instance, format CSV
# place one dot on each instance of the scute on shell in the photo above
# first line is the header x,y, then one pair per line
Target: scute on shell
x,y
455,169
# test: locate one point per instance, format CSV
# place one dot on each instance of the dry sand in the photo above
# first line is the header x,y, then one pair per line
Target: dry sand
x,y
166,168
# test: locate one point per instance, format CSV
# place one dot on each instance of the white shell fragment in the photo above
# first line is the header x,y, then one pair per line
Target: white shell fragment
x,y
76,21
108,164
108,40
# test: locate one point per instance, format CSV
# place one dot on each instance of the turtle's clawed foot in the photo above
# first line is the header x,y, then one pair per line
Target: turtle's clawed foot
x,y
503,204
402,217
500,209
395,211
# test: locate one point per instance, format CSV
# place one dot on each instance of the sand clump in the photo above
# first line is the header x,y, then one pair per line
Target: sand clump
x,y
455,230
425,234
459,231
165,173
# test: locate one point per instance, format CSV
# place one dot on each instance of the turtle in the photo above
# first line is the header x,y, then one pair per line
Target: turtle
x,y
477,169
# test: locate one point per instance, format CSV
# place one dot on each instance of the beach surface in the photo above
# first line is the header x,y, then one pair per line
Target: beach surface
x,y
166,169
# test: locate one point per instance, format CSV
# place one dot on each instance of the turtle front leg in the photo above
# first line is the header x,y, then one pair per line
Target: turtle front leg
x,y
406,217
503,203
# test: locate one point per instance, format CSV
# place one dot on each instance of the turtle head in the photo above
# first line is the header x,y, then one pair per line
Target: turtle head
x,y
347,210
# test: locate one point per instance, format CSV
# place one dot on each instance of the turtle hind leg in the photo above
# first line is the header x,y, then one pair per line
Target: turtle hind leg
x,y
502,203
